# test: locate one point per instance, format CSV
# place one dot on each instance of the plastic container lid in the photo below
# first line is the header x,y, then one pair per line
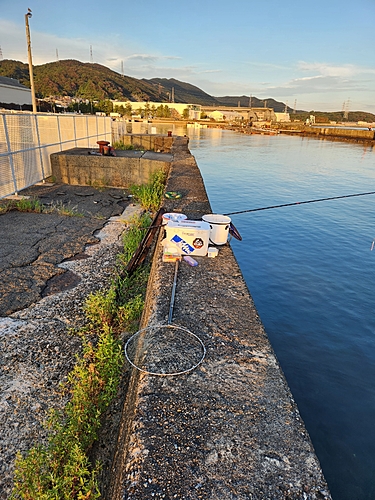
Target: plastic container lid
x,y
212,252
173,216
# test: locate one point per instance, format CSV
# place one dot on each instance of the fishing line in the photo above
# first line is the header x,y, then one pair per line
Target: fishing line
x,y
299,203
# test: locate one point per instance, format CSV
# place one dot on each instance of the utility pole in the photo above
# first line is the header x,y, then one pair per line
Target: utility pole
x,y
33,99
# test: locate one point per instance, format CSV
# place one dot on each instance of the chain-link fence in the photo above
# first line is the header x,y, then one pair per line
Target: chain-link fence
x,y
27,141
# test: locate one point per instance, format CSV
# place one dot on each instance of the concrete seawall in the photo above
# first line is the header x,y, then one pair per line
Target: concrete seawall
x,y
230,428
332,133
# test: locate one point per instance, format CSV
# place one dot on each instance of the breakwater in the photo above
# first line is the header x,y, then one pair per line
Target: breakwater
x,y
341,133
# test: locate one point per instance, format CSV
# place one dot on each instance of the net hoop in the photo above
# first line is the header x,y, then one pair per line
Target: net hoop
x,y
166,374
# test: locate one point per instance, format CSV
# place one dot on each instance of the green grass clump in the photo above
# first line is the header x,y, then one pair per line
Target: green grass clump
x,y
61,469
150,195
121,146
133,236
35,206
28,205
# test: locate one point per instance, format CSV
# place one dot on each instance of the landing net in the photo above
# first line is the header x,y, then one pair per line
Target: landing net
x,y
165,350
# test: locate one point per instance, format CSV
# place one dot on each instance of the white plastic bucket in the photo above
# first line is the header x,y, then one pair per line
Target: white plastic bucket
x,y
219,228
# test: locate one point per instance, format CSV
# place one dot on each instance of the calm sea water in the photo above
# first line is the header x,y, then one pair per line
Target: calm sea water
x,y
311,274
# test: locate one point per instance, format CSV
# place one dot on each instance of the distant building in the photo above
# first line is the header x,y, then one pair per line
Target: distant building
x,y
282,117
14,95
225,115
194,110
248,114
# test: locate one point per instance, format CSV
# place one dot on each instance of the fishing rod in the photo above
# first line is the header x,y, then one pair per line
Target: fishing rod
x,y
300,203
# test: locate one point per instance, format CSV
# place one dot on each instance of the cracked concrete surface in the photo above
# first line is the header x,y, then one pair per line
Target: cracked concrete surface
x,y
44,240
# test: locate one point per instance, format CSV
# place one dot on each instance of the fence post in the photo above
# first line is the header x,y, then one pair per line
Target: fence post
x,y
87,131
10,156
40,148
75,131
59,131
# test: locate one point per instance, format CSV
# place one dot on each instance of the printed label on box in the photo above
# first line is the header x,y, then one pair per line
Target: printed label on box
x,y
182,244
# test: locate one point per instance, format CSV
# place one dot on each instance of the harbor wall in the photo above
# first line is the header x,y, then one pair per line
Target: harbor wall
x,y
356,134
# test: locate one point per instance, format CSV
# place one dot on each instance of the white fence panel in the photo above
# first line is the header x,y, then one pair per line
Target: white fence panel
x,y
28,140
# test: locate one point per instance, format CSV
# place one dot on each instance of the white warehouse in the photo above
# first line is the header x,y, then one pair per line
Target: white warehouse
x,y
13,94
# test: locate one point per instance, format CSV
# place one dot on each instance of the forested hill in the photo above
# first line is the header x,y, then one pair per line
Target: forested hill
x,y
96,82
84,80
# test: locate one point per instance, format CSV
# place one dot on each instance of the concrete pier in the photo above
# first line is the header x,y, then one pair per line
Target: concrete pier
x,y
77,167
230,428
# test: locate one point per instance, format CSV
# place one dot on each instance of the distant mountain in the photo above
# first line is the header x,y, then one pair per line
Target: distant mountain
x,y
184,92
278,107
96,82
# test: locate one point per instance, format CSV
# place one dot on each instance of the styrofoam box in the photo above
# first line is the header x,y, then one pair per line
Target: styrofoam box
x,y
190,236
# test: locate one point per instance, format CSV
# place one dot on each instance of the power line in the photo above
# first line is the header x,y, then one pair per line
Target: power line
x,y
300,203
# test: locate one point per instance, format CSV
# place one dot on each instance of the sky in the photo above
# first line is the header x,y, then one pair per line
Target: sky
x,y
313,55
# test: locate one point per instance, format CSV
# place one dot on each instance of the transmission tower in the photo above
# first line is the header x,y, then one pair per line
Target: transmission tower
x,y
295,106
345,109
250,101
1,54
122,68
91,59
57,55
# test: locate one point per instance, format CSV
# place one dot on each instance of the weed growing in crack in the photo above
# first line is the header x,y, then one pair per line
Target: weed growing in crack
x,y
35,206
150,195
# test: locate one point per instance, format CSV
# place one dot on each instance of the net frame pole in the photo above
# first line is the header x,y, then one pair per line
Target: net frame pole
x,y
173,294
